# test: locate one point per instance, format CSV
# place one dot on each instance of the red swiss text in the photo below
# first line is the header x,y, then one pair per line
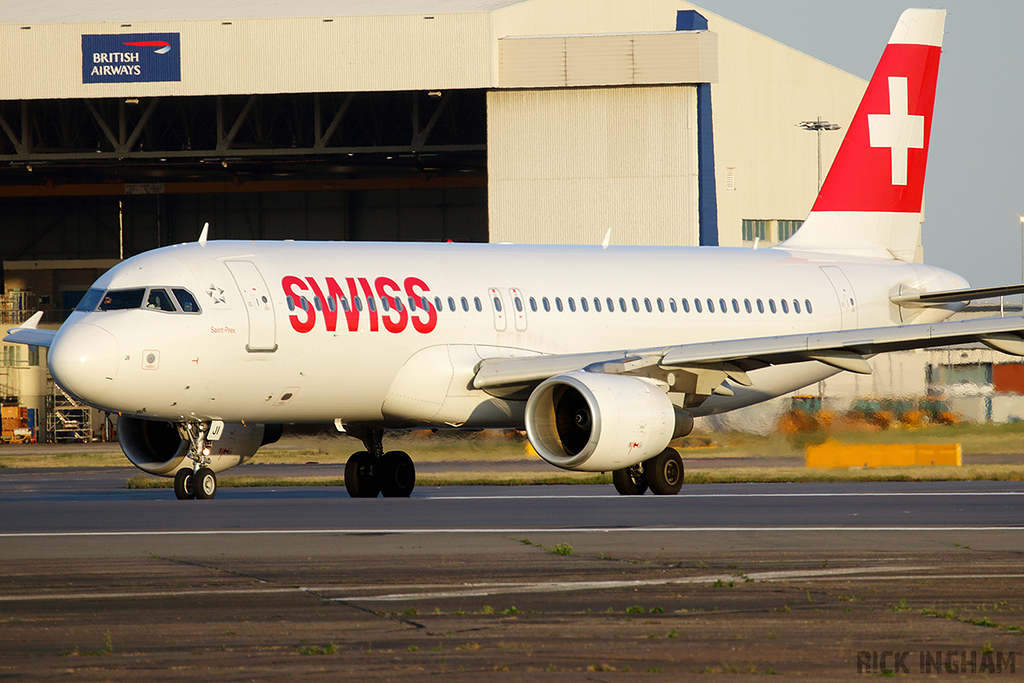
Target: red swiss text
x,y
380,305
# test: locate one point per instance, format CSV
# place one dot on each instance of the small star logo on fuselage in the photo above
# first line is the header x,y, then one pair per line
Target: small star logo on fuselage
x,y
217,294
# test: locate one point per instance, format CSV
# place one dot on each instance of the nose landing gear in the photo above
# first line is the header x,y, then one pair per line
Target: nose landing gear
x,y
200,482
373,471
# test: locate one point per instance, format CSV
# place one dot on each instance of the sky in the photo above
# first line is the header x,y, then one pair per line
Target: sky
x,y
974,188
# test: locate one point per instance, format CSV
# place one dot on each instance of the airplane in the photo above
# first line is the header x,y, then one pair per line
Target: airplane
x,y
604,354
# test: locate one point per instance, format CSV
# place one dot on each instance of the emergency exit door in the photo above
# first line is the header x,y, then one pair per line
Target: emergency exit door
x,y
258,306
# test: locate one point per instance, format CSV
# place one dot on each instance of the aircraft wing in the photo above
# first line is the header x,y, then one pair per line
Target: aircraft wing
x,y
925,299
846,350
29,333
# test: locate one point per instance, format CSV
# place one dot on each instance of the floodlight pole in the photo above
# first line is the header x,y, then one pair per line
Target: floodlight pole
x,y
818,126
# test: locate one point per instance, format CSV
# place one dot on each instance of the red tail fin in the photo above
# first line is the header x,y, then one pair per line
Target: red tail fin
x,y
871,199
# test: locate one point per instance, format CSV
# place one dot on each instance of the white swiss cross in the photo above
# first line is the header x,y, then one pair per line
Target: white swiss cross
x,y
897,130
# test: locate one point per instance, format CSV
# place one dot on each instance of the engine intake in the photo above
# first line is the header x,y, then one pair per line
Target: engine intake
x,y
156,447
595,422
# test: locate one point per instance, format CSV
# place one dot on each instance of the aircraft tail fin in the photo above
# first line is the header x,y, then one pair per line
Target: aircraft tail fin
x,y
870,202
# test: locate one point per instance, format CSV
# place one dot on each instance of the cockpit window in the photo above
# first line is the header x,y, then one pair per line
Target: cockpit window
x,y
120,299
160,300
90,301
186,301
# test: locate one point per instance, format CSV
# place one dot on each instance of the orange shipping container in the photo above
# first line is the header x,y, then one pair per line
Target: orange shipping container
x,y
1008,378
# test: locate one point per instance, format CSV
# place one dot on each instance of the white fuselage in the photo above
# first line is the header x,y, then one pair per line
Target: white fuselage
x,y
254,353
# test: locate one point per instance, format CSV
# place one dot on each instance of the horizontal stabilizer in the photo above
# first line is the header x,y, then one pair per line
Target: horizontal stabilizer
x,y
926,299
29,333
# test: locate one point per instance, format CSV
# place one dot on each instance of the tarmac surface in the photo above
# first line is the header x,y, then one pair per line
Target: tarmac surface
x,y
99,582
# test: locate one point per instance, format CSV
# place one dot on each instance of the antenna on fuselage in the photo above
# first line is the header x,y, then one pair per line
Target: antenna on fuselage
x,y
607,239
202,235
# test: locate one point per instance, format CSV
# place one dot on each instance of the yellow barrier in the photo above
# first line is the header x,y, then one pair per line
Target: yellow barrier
x,y
834,454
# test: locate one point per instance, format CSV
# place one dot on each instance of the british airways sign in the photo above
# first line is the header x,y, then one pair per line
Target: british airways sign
x,y
131,58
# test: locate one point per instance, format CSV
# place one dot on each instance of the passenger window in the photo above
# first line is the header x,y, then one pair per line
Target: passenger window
x,y
661,305
583,304
558,304
291,303
533,304
316,303
90,301
622,304
686,305
746,305
547,304
807,306
785,305
412,303
796,305
304,304
359,304
636,305
597,305
696,305
497,304
384,305
519,303
186,301
465,305
572,304
332,306
722,307
611,304
711,306
344,305
398,304
760,306
371,303
735,306
122,299
451,304
437,304
771,305
672,305
479,306
160,300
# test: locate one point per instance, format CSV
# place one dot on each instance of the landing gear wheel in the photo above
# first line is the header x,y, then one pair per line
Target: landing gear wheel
x,y
183,486
205,483
630,481
665,473
396,475
359,479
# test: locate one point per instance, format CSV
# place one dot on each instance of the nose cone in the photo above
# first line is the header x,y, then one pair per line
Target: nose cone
x,y
83,361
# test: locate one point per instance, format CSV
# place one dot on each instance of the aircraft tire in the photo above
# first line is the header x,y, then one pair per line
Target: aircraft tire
x,y
630,481
398,475
360,481
665,473
183,486
205,483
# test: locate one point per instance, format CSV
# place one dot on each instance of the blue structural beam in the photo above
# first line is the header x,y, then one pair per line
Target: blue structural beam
x,y
690,20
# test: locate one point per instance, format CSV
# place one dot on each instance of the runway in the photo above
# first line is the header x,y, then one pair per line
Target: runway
x,y
280,582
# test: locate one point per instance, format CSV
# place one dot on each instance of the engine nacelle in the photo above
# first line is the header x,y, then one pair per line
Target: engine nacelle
x,y
157,447
595,422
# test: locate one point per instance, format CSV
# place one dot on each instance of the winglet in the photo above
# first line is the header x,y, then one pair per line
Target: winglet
x,y
202,235
29,333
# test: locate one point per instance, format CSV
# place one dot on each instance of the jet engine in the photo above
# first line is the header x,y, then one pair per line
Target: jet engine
x,y
156,447
596,422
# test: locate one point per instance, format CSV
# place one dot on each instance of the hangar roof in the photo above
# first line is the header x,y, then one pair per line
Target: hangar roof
x,y
96,11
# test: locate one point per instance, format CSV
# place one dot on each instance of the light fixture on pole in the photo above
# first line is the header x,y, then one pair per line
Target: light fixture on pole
x,y
818,126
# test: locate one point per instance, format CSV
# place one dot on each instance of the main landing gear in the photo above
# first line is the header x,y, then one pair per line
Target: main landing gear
x,y
372,472
663,474
199,482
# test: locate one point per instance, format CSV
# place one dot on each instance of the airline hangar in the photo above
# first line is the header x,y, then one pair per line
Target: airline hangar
x,y
124,127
